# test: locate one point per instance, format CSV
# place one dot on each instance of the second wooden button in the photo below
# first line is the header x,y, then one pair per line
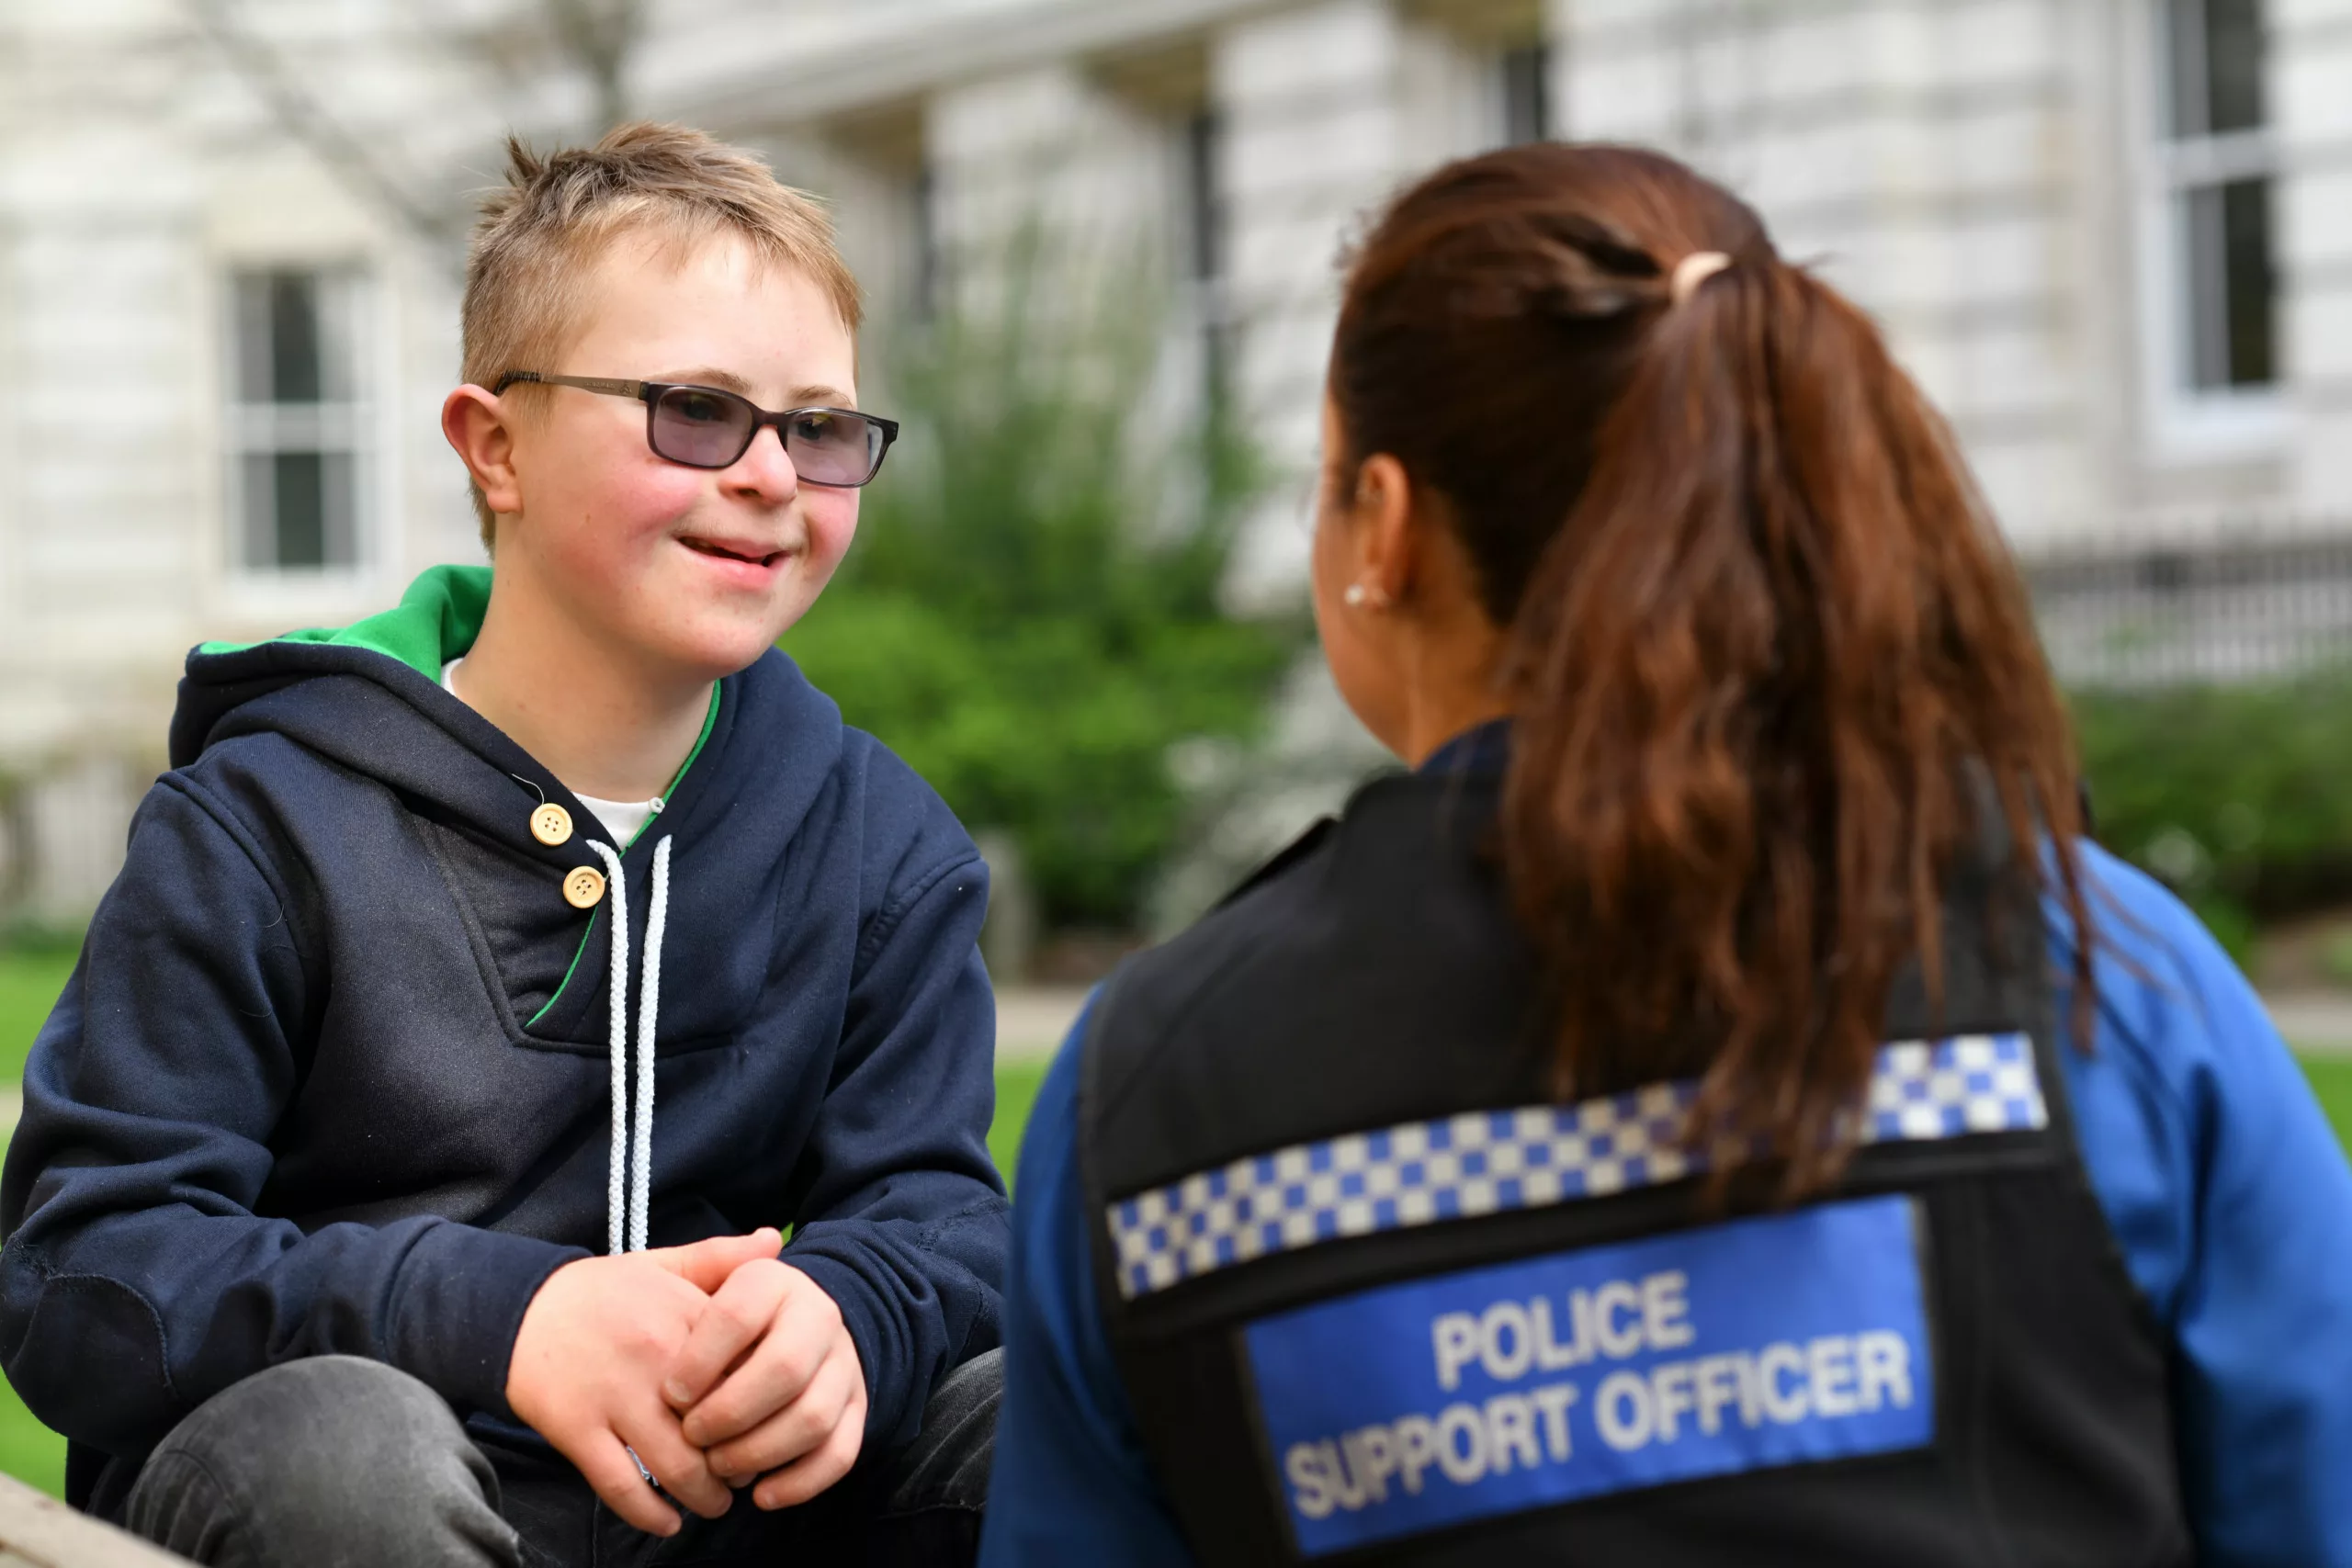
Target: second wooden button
x,y
583,886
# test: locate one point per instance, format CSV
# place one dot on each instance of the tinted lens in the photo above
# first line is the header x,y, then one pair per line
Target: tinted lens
x,y
834,447
699,427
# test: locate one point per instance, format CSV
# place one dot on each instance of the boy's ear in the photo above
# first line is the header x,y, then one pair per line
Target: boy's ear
x,y
476,424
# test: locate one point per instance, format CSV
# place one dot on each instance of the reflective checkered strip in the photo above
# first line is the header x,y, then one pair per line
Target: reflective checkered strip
x,y
1495,1161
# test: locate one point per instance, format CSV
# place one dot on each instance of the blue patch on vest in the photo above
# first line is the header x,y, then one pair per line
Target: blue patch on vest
x,y
1784,1340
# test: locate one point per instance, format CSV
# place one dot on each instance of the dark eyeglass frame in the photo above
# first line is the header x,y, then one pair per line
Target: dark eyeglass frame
x,y
651,393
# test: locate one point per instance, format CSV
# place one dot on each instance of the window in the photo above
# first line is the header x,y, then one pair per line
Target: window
x,y
297,458
2214,161
1203,238
1526,82
923,222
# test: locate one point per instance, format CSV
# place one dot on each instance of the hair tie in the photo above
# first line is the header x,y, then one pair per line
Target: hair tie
x,y
1695,269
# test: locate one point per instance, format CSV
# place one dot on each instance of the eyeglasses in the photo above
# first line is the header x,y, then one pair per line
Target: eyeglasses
x,y
704,427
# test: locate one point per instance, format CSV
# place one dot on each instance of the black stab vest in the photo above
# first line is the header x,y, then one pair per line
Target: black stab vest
x,y
1370,977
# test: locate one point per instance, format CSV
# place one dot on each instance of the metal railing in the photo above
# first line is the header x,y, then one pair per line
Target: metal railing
x,y
2227,609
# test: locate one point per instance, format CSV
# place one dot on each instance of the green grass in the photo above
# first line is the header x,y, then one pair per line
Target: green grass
x,y
1016,1091
2332,1081
29,985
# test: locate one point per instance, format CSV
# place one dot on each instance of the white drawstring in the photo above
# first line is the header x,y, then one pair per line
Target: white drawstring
x,y
628,1194
648,1007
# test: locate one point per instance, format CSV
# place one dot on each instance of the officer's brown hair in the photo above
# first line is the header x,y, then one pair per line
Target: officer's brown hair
x,y
1764,629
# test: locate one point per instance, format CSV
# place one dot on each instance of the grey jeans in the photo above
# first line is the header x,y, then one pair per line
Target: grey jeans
x,y
336,1461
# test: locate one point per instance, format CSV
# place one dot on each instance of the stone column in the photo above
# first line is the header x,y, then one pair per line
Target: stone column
x,y
2310,62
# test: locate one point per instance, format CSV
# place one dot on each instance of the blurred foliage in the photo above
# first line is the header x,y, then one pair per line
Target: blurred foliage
x,y
2239,798
1031,613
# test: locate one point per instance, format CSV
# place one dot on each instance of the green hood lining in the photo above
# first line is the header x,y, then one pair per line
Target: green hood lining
x,y
435,621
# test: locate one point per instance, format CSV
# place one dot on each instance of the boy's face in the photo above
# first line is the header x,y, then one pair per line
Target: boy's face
x,y
699,569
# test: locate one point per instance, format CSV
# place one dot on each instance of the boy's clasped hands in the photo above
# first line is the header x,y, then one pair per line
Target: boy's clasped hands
x,y
719,1364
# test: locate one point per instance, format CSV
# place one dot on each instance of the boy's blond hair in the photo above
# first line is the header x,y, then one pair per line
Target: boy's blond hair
x,y
541,236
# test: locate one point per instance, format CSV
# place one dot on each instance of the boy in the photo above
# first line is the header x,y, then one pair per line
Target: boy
x,y
360,1065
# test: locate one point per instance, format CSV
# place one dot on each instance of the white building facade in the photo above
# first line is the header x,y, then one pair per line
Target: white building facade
x,y
2113,237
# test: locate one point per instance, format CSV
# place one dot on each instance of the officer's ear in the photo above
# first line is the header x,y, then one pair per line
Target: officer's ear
x,y
1385,528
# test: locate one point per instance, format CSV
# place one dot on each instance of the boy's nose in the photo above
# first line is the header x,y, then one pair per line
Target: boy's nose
x,y
765,468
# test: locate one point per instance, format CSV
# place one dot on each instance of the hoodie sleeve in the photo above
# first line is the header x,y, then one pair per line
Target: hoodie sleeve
x,y
138,1278
900,1216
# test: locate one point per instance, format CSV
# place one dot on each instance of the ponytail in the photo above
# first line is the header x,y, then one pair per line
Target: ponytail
x,y
1764,633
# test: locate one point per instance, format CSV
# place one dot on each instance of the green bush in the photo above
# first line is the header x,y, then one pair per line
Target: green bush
x,y
2238,796
1031,615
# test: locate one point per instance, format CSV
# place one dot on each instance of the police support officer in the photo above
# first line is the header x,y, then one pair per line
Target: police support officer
x,y
1656,1129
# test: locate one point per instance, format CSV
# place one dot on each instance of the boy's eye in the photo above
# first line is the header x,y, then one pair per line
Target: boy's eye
x,y
699,408
815,428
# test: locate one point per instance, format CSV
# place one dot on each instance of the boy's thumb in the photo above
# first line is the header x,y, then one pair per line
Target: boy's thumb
x,y
705,1264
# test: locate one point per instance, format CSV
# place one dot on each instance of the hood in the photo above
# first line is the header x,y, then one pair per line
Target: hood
x,y
369,696
435,621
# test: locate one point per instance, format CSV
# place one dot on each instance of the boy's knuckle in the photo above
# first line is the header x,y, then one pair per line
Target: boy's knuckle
x,y
799,1363
742,1318
643,1337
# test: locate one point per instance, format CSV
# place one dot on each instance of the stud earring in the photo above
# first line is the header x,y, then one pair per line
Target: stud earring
x,y
1360,594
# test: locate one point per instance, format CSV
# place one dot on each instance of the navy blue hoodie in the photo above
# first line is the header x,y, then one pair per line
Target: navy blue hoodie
x,y
333,1075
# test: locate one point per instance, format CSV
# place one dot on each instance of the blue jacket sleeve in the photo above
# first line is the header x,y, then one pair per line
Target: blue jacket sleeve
x,y
138,1279
898,1211
2233,1202
1071,1483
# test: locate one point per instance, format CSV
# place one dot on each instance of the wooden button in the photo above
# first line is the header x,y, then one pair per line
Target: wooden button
x,y
584,887
551,825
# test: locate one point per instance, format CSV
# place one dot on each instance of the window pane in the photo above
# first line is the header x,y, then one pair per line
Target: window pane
x,y
301,509
2245,239
2213,51
2231,290
293,338
252,290
2233,65
258,507
923,198
1527,95
1203,225
338,509
1204,212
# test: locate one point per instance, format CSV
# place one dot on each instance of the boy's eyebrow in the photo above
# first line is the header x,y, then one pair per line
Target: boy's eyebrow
x,y
728,381
710,376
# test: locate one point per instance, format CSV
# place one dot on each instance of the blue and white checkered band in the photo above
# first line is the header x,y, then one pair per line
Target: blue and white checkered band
x,y
1495,1161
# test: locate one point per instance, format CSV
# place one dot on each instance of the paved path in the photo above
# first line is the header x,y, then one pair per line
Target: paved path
x,y
38,1531
1031,1021
2318,1023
